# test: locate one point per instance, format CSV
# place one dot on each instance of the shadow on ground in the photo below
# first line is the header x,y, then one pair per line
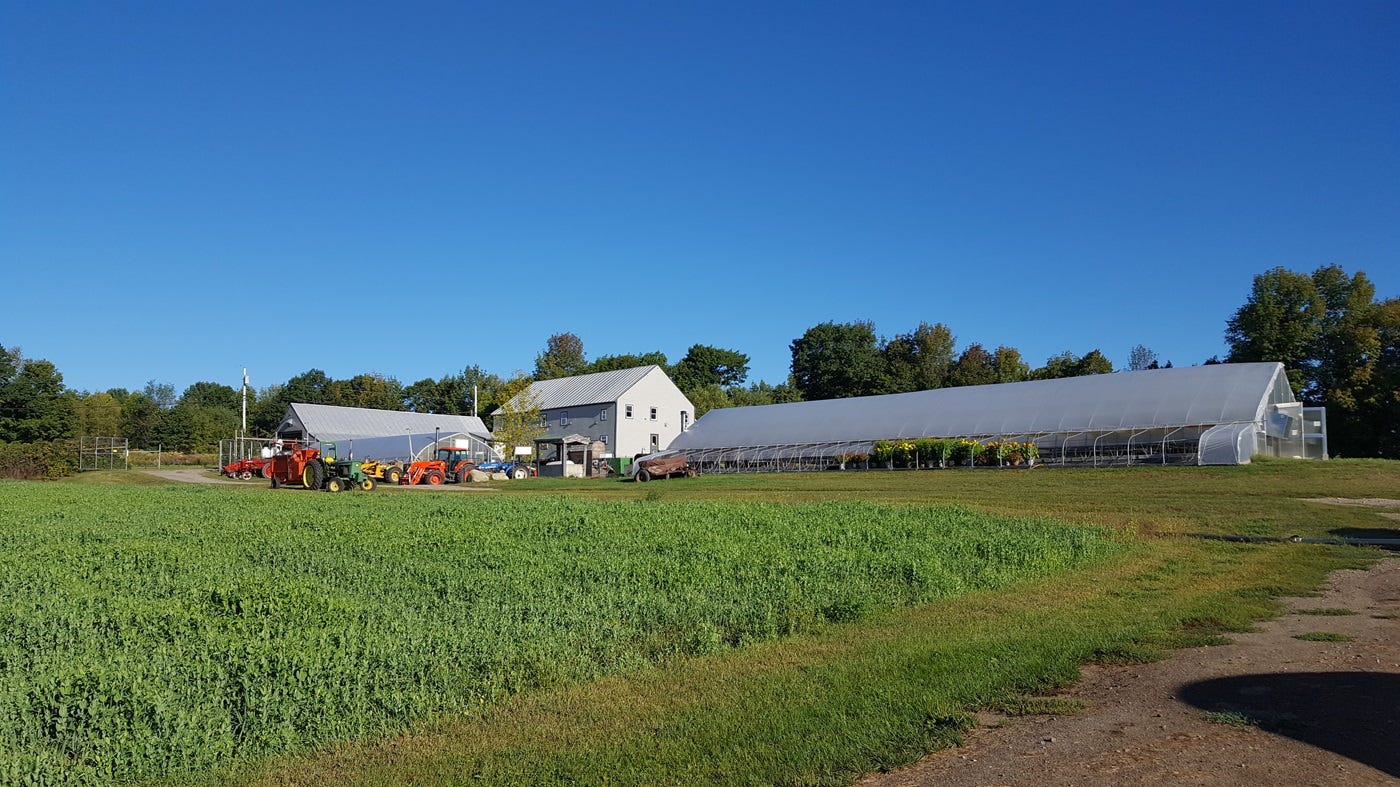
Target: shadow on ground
x,y
1354,714
1365,532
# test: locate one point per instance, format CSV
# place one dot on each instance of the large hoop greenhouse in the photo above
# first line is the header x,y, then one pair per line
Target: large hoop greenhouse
x,y
1220,414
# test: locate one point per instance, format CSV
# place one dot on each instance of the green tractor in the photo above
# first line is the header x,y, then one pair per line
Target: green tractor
x,y
333,474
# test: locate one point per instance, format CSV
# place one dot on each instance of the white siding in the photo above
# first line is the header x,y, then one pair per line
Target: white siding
x,y
655,390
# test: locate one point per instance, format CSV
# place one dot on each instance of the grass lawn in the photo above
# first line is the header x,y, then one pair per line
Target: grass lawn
x,y
825,705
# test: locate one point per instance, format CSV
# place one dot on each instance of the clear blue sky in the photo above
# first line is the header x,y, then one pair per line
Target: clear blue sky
x,y
410,188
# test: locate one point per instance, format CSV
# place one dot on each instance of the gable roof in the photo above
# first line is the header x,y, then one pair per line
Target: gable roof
x,y
329,422
1183,396
583,389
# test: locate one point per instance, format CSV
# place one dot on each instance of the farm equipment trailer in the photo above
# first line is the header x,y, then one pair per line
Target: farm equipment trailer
x,y
664,467
247,468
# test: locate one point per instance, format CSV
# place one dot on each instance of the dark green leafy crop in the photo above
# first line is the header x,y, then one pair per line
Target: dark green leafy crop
x,y
148,632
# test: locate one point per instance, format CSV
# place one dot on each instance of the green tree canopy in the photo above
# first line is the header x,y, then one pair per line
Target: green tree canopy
x,y
98,415
453,393
141,417
1140,357
1278,322
208,394
704,365
837,360
34,404
1009,366
975,366
919,361
1067,364
518,421
562,357
613,363
373,390
1338,347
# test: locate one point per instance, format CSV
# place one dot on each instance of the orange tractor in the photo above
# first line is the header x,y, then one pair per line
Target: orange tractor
x,y
452,466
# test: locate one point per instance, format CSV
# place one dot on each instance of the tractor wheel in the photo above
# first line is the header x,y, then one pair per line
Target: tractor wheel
x,y
519,473
313,475
276,482
246,475
367,484
335,485
433,478
267,471
392,475
643,476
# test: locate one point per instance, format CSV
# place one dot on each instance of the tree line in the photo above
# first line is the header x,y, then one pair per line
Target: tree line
x,y
1336,340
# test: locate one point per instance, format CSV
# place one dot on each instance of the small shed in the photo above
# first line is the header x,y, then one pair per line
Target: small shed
x,y
567,456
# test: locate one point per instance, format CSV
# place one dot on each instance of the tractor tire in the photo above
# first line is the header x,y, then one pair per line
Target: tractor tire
x,y
643,476
313,476
246,475
335,485
267,471
392,475
367,485
433,478
276,482
519,473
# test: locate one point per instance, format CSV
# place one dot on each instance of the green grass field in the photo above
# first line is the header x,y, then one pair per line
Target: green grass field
x,y
553,631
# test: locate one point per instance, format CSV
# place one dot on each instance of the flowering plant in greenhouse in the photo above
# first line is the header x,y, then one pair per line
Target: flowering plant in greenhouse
x,y
882,451
963,450
929,449
904,451
1007,452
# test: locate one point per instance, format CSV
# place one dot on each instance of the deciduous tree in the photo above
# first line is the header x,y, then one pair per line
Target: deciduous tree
x,y
1140,358
562,357
919,361
613,363
517,422
975,366
837,360
704,365
1278,322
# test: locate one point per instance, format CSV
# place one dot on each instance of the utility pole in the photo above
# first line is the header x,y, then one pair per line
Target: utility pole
x,y
244,432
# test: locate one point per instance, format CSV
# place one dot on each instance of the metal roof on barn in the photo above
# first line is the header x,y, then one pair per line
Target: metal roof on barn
x,y
583,389
329,422
1183,396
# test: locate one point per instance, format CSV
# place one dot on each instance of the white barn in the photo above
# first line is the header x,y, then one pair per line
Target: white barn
x,y
632,411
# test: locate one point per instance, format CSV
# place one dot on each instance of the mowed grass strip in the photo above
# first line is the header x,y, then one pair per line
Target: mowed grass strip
x,y
166,632
1269,497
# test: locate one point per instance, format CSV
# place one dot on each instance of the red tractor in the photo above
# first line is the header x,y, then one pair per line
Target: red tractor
x,y
452,466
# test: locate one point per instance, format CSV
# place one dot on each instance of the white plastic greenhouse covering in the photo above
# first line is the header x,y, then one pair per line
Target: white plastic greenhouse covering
x,y
1216,414
412,447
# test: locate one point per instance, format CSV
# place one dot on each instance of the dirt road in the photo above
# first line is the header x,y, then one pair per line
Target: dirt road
x,y
1266,709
